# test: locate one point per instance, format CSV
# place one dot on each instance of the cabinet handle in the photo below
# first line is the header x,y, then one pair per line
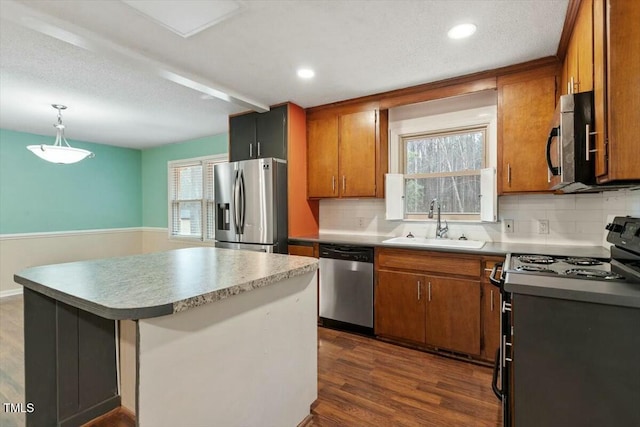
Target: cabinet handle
x,y
429,294
573,85
569,87
419,294
251,150
509,173
491,299
333,184
588,140
258,149
344,183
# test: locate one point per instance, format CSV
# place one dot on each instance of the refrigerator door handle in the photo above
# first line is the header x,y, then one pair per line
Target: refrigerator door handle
x,y
236,198
243,202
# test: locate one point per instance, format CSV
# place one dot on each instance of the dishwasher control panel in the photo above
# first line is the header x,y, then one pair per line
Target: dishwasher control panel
x,y
347,252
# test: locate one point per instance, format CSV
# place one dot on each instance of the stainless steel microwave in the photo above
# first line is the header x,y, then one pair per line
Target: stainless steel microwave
x,y
570,156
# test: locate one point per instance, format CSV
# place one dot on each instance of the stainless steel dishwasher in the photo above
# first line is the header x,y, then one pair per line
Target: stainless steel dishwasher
x,y
346,287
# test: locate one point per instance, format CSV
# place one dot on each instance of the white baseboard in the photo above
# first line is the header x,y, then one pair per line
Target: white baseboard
x,y
40,235
11,292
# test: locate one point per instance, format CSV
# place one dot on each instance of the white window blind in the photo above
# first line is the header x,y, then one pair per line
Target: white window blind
x,y
210,206
191,198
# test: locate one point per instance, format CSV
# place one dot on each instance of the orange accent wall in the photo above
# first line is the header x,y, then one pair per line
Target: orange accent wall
x,y
303,213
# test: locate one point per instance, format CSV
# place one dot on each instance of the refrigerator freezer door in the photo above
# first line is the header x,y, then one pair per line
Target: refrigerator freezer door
x,y
225,188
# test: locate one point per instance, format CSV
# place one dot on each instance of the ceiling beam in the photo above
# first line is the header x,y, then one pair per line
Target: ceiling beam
x,y
84,39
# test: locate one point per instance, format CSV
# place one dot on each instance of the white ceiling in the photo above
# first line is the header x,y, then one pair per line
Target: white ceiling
x,y
117,69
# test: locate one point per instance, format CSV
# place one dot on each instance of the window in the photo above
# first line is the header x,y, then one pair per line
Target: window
x,y
446,166
191,198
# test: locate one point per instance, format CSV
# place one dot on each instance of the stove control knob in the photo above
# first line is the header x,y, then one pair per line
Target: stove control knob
x,y
614,228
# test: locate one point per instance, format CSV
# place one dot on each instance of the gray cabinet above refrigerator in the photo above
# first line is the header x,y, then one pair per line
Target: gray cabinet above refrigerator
x,y
258,135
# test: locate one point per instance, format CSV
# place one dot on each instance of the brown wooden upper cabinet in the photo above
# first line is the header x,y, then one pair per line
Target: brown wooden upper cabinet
x,y
616,89
343,154
577,70
526,103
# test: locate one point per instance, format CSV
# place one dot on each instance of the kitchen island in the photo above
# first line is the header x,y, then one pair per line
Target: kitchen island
x,y
221,337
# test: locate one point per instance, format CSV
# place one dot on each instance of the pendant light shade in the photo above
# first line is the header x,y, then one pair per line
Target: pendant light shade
x,y
59,153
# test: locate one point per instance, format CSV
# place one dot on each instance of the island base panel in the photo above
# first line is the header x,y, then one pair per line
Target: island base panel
x,y
248,360
70,364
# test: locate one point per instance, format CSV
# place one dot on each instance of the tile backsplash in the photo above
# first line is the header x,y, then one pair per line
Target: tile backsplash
x,y
574,219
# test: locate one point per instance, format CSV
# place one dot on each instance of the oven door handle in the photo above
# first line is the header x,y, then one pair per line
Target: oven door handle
x,y
496,369
492,277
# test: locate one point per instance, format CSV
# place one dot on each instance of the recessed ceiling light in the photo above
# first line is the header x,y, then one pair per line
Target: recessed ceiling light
x,y
306,73
461,31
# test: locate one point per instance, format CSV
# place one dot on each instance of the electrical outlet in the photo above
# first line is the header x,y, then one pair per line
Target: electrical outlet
x,y
360,222
507,226
543,226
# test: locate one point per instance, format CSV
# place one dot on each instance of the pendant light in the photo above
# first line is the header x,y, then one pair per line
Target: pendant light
x,y
58,153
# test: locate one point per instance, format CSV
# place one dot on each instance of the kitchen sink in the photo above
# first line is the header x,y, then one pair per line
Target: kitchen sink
x,y
434,243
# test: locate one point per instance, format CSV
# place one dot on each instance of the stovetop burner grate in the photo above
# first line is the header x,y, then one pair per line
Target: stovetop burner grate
x,y
582,261
593,273
536,259
535,268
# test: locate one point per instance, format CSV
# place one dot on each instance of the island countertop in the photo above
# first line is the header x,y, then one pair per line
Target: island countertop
x,y
161,283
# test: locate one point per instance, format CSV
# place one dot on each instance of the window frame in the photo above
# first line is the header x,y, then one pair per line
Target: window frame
x,y
205,201
403,155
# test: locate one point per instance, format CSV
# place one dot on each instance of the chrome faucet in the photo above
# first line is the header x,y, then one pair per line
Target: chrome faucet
x,y
440,230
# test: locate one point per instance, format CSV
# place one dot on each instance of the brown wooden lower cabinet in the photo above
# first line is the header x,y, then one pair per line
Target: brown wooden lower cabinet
x,y
302,250
453,314
416,304
400,306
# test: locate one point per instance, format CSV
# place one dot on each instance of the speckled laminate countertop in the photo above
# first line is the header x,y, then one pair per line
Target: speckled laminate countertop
x,y
490,248
157,284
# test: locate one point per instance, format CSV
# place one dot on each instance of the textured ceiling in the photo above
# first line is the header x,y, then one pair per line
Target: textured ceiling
x,y
356,48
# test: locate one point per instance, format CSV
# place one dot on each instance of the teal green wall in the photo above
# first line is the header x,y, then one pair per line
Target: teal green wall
x,y
118,188
37,196
154,173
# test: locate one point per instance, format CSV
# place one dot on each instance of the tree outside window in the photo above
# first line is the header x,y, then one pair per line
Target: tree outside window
x,y
445,166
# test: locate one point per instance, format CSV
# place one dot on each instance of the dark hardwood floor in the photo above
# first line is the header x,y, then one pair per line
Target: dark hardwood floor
x,y
365,382
361,382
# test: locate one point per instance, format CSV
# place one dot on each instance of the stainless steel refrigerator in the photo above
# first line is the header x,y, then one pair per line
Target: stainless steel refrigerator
x,y
251,205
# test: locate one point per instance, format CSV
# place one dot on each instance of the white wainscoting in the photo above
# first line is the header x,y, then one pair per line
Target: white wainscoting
x,y
20,251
